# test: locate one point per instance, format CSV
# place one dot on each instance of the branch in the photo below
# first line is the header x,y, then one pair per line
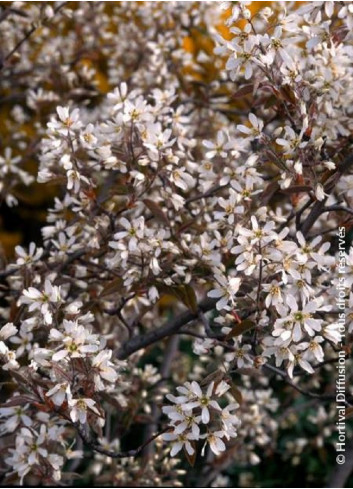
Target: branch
x,y
97,448
28,34
206,324
166,367
319,206
209,193
338,208
168,329
314,395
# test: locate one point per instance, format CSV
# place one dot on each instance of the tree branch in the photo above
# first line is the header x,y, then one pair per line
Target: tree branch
x,y
109,453
27,35
314,395
168,329
319,206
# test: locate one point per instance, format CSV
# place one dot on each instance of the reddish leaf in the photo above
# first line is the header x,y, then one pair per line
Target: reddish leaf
x,y
112,287
156,210
235,392
17,401
240,328
295,189
244,90
191,458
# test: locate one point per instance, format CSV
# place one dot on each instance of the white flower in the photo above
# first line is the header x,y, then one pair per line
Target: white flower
x,y
30,257
256,127
118,96
314,349
179,442
76,341
274,294
15,416
228,287
9,329
41,300
215,441
292,141
258,234
104,369
231,207
23,340
87,137
281,352
181,178
64,244
243,60
156,139
8,164
59,393
298,321
298,359
307,250
240,354
319,192
332,332
134,232
184,421
216,149
79,407
204,401
230,421
8,357
67,123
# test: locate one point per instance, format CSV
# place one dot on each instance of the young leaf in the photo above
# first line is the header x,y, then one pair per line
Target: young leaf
x,y
112,287
156,210
240,328
191,458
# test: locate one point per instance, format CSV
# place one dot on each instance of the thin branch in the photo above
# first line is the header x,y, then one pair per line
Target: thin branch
x,y
28,34
206,324
299,214
168,329
166,367
209,193
319,206
314,395
109,453
338,208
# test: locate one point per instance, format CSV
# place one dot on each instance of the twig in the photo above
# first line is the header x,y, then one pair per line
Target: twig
x,y
314,395
206,324
338,208
28,35
319,206
109,453
168,329
170,351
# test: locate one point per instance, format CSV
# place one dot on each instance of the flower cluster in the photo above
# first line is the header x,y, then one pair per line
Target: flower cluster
x,y
195,407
